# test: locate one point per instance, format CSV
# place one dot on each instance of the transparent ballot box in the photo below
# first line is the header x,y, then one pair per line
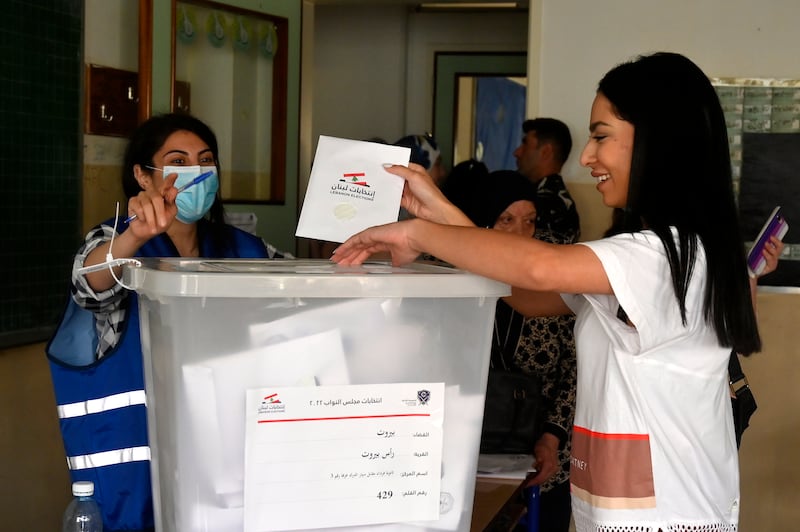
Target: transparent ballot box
x,y
303,395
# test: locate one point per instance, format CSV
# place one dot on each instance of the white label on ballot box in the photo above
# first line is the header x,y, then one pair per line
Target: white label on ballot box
x,y
329,456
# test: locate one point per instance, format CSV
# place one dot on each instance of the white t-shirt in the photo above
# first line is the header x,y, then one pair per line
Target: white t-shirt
x,y
653,445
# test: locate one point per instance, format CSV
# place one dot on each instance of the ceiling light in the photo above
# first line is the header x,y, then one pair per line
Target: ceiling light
x,y
450,6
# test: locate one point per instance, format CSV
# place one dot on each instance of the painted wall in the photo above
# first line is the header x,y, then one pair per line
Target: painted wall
x,y
34,483
111,39
370,68
579,41
359,72
374,65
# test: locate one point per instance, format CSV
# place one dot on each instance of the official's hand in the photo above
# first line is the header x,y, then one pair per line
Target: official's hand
x,y
154,208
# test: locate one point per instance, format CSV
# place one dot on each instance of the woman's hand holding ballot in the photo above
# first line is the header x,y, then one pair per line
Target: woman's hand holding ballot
x,y
394,238
445,232
423,199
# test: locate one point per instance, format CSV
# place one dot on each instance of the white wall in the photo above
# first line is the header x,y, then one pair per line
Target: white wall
x,y
374,65
112,33
429,33
359,72
582,40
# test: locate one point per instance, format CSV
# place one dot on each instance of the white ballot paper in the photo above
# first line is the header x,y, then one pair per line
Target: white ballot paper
x,y
349,190
216,391
331,456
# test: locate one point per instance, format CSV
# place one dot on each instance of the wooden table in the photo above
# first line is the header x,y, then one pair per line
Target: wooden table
x,y
499,504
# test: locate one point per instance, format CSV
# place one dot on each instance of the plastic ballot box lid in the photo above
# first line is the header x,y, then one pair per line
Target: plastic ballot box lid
x,y
259,278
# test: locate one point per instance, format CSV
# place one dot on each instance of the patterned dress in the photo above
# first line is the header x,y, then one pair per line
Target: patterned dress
x,y
546,348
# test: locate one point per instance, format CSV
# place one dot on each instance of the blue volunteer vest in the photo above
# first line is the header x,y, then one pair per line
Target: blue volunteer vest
x,y
101,403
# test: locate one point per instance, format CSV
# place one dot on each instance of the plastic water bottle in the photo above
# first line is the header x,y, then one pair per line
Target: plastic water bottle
x,y
82,514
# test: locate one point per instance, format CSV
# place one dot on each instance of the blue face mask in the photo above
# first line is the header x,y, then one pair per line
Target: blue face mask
x,y
194,202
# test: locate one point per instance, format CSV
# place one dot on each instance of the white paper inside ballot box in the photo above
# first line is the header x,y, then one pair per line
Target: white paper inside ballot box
x,y
329,456
216,391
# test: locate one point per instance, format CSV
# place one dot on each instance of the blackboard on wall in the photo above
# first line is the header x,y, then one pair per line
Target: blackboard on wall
x,y
41,57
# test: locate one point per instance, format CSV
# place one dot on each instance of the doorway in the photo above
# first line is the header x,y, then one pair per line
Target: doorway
x,y
456,79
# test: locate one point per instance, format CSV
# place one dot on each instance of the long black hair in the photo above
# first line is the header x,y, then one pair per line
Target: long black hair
x,y
681,178
149,137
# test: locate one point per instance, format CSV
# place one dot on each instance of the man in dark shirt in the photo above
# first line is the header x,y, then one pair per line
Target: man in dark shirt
x,y
544,150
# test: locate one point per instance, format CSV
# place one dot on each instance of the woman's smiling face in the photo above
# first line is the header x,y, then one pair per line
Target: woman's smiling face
x,y
608,152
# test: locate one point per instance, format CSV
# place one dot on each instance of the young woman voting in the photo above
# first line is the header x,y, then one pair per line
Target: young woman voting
x,y
658,307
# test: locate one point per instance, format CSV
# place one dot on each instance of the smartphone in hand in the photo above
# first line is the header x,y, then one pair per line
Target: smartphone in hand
x,y
775,225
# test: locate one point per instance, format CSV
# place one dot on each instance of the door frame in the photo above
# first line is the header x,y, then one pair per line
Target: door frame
x,y
448,67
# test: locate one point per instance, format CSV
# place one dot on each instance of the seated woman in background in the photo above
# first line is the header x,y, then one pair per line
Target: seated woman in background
x,y
541,346
95,355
